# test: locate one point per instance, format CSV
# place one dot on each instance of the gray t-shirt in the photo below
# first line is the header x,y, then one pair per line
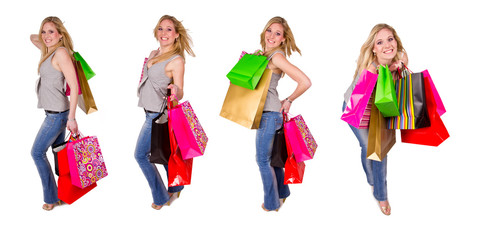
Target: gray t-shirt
x,y
153,86
272,102
50,87
348,92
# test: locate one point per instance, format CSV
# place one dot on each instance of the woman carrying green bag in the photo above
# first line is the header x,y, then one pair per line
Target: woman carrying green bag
x,y
56,68
277,41
382,47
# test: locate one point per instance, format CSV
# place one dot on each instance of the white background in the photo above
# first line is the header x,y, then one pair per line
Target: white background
x,y
435,192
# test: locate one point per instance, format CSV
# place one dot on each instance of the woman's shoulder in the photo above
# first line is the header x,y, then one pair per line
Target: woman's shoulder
x,y
62,54
278,54
278,57
176,60
153,53
62,51
372,68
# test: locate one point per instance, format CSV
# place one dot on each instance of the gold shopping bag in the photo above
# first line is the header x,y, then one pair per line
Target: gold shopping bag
x,y
245,106
85,100
381,139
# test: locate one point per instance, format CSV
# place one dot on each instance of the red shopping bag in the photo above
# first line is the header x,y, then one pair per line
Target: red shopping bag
x,y
430,136
179,169
67,192
293,171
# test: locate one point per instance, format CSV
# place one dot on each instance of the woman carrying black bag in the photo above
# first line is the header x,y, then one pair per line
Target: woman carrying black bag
x,y
382,47
163,70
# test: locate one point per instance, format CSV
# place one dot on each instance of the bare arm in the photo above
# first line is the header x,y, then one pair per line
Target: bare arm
x,y
36,42
304,83
63,62
175,70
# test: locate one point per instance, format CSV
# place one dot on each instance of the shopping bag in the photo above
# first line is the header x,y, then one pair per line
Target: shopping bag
x,y
359,99
410,90
433,135
85,100
67,192
300,138
293,171
179,169
88,72
160,140
244,106
380,139
385,93
279,150
248,71
86,162
190,136
439,103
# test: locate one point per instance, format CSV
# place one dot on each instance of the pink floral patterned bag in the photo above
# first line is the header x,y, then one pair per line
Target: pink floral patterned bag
x,y
86,163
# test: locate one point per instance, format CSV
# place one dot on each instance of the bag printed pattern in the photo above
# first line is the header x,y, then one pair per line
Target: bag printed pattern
x,y
89,162
307,136
304,146
195,126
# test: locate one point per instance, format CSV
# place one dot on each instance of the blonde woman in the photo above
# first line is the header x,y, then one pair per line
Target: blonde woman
x,y
382,47
56,68
277,42
164,70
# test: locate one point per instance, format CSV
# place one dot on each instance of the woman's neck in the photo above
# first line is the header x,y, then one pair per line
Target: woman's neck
x,y
164,49
384,62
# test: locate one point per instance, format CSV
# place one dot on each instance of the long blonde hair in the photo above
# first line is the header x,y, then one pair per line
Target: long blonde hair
x,y
181,44
366,52
66,40
288,46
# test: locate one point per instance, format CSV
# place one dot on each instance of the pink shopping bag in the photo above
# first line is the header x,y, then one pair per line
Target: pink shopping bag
x,y
355,109
301,140
86,163
439,103
189,133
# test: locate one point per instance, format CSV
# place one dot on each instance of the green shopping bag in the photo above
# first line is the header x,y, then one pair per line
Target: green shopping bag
x,y
248,71
88,72
385,95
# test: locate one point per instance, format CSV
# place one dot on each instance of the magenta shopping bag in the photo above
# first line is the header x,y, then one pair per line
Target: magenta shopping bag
x,y
439,103
189,133
355,109
301,140
86,163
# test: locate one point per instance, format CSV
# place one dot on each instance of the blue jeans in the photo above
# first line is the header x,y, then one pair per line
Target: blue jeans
x,y
51,133
374,170
272,177
142,155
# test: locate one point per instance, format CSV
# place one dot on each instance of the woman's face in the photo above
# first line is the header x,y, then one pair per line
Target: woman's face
x,y
50,35
385,46
274,36
166,33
